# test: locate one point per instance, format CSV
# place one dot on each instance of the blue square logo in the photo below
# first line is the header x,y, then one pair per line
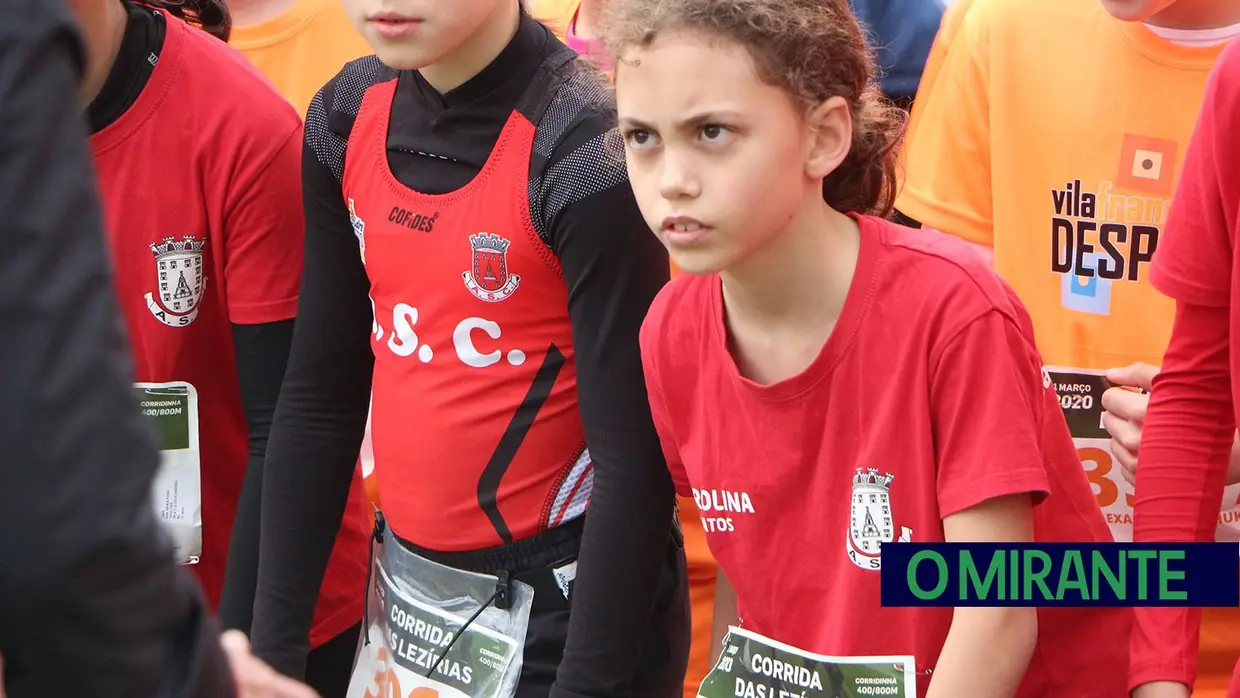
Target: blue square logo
x,y
1086,294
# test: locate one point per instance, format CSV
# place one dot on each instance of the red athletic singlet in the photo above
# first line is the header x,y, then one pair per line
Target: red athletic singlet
x,y
476,433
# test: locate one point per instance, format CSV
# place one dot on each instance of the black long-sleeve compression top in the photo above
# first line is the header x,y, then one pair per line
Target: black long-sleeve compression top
x,y
90,596
586,215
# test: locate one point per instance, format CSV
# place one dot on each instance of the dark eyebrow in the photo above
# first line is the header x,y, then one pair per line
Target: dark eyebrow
x,y
695,121
628,124
708,117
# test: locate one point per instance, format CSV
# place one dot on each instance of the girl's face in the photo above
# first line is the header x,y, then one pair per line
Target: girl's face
x,y
715,155
412,34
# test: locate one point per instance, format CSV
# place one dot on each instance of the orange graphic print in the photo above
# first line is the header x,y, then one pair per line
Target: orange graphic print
x,y
385,684
1147,165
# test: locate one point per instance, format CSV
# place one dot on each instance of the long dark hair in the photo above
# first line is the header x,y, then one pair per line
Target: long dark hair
x,y
211,15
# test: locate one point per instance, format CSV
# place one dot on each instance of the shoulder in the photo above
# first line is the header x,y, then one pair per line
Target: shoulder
x,y
577,151
343,94
678,317
1017,27
1224,85
231,108
219,69
1010,15
580,114
940,277
329,120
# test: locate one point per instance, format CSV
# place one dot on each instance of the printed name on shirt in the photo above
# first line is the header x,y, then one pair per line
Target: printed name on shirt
x,y
413,221
180,278
1110,234
404,340
710,503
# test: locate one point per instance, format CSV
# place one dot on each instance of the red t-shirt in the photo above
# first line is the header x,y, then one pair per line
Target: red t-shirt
x,y
929,387
201,187
1190,422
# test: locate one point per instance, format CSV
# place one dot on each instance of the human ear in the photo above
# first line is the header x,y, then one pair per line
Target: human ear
x,y
828,137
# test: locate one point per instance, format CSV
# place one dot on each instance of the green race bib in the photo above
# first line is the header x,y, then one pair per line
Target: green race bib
x,y
753,666
421,651
176,492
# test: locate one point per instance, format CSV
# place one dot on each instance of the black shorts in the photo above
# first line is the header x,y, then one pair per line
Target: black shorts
x,y
661,668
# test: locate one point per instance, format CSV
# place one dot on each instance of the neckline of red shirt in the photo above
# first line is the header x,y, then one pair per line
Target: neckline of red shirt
x,y
856,303
152,95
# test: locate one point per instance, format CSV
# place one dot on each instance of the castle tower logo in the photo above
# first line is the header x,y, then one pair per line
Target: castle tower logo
x,y
488,278
870,520
181,280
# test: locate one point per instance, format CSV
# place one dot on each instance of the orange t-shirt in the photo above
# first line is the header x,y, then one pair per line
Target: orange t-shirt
x,y
557,15
997,152
1054,134
302,49
953,16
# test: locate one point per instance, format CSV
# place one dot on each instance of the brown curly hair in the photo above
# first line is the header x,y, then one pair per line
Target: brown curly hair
x,y
211,15
816,50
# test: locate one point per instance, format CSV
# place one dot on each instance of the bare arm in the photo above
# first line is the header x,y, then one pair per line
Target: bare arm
x,y
987,649
726,613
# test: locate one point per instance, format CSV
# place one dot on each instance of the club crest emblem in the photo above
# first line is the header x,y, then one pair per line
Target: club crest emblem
x,y
870,522
488,278
180,278
359,229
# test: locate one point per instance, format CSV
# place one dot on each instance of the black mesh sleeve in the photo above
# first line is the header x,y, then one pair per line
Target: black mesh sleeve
x,y
614,266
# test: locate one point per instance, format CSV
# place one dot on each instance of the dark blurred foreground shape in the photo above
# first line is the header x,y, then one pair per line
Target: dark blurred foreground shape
x,y
91,601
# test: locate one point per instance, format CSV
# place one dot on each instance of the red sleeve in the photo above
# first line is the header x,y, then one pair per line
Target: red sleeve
x,y
658,407
264,228
1185,444
1194,258
987,402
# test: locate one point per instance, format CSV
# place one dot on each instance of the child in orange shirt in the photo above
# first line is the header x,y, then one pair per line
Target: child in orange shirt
x,y
1065,184
297,44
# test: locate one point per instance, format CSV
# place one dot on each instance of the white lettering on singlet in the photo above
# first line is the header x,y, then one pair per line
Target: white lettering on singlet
x,y
403,340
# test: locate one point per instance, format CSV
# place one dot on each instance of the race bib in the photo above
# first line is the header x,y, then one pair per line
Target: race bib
x,y
176,492
423,643
1080,397
753,666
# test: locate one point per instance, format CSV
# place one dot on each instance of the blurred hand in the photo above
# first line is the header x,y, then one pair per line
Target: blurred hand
x,y
1125,415
254,678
